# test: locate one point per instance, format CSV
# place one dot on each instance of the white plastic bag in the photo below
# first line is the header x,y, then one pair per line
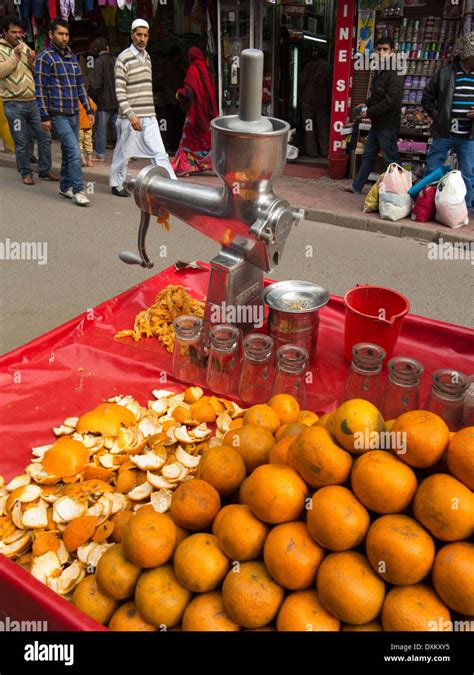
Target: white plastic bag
x,y
397,179
393,206
450,200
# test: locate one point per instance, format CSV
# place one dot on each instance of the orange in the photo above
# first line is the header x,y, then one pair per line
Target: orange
x,y
92,601
149,539
126,480
263,415
251,597
78,531
160,598
241,535
286,407
181,533
116,576
65,458
294,429
127,618
326,421
426,437
382,482
318,459
336,520
414,608
349,588
279,452
400,550
461,456
453,576
120,520
223,468
357,425
103,531
279,432
195,504
206,612
44,542
445,506
307,417
199,563
303,611
275,493
252,442
388,425
218,518
92,471
291,556
371,626
106,419
203,411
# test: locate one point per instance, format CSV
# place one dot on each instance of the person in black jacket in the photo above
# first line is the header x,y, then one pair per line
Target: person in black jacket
x,y
384,111
102,90
449,100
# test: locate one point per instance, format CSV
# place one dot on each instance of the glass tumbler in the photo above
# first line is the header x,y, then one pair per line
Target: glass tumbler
x,y
292,361
223,365
364,378
257,369
402,389
187,351
447,394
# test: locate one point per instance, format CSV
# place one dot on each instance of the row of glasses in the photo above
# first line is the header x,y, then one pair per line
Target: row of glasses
x,y
254,376
402,387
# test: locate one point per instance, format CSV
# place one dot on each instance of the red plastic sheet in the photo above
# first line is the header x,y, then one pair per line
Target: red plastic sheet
x,y
74,367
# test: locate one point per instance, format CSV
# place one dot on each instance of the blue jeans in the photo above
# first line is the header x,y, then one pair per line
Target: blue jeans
x,y
67,130
385,140
103,117
464,149
25,124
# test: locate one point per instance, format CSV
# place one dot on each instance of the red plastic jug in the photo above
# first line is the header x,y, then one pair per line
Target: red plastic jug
x,y
373,314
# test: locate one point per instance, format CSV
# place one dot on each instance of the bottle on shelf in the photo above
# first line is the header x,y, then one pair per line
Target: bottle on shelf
x,y
292,361
364,379
402,389
256,377
446,398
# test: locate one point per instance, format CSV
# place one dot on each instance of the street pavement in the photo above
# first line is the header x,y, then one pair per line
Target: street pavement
x,y
82,267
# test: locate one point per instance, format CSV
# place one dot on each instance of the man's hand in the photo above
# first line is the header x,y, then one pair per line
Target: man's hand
x,y
46,124
18,50
470,114
136,124
31,55
91,119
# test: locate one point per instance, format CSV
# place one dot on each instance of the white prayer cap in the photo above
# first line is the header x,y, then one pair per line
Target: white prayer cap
x,y
140,23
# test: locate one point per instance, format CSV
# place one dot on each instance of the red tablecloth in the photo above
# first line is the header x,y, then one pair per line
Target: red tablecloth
x,y
75,366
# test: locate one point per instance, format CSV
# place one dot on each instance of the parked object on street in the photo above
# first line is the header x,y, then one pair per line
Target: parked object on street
x,y
373,314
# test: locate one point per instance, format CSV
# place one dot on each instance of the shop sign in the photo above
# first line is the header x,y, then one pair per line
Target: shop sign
x,y
343,70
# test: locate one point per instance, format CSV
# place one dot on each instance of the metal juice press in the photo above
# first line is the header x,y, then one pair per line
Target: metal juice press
x,y
244,215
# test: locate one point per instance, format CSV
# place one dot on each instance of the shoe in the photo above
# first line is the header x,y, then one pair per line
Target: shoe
x,y
80,199
33,159
120,192
49,176
28,180
351,189
67,193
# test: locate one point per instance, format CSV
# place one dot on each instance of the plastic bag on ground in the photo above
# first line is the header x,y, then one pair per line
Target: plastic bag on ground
x,y
397,179
424,208
450,200
371,203
393,206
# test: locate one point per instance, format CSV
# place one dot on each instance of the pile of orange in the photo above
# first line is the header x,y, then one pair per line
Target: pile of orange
x,y
297,523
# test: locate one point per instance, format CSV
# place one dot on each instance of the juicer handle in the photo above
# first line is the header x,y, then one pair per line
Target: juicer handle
x,y
141,259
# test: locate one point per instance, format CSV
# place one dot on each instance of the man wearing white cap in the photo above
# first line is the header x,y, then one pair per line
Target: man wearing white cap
x,y
138,134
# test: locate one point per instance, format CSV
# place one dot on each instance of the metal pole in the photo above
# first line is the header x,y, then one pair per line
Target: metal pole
x,y
219,56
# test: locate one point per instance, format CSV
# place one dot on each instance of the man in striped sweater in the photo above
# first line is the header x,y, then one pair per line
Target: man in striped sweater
x,y
449,100
138,134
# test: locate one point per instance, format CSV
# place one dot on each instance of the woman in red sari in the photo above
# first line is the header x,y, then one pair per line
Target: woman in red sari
x,y
199,97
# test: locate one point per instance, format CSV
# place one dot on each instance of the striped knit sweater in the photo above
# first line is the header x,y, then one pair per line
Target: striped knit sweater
x,y
133,85
17,80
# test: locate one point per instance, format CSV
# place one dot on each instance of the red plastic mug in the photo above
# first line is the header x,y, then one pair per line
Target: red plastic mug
x,y
373,314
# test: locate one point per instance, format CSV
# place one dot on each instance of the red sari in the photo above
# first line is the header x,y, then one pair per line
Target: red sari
x,y
194,152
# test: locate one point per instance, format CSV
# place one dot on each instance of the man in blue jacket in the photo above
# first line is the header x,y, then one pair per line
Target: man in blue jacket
x,y
59,88
449,100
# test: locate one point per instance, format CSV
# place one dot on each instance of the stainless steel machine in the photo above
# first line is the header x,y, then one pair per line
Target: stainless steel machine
x,y
244,215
